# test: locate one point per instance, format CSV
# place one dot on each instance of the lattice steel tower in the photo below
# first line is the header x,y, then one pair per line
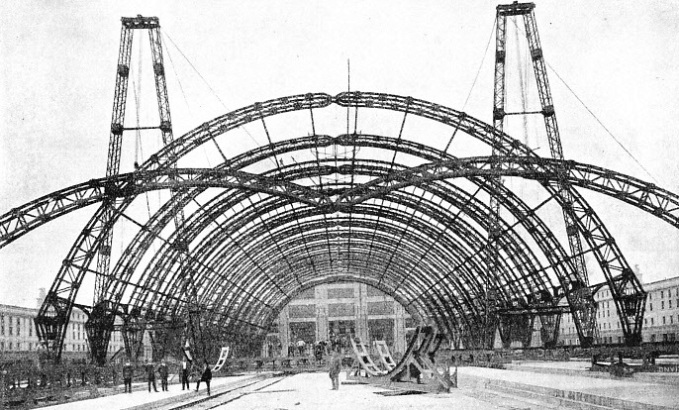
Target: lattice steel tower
x,y
101,321
583,307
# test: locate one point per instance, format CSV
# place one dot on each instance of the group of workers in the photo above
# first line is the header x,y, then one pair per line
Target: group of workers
x,y
162,370
335,367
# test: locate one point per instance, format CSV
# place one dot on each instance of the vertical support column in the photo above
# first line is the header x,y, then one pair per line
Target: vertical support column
x,y
490,303
516,328
549,331
114,151
284,331
51,324
362,313
528,332
98,327
133,336
399,329
165,337
321,322
321,313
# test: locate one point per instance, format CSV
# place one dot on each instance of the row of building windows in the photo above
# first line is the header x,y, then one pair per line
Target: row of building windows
x,y
19,346
650,305
338,293
662,304
662,294
601,314
11,326
664,320
607,313
664,337
607,293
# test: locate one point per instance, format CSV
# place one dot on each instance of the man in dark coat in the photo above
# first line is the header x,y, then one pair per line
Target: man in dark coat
x,y
335,368
151,374
162,372
205,377
185,374
128,372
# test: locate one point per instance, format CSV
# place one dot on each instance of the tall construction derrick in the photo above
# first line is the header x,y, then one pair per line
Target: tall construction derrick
x,y
580,298
102,316
490,308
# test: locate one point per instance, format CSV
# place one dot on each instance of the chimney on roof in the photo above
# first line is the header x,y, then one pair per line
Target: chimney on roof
x,y
638,274
41,297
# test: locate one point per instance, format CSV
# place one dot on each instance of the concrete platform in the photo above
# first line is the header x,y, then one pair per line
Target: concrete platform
x,y
302,391
581,368
141,397
312,391
480,388
607,393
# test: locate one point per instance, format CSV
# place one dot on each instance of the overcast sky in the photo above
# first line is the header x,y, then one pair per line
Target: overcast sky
x,y
58,61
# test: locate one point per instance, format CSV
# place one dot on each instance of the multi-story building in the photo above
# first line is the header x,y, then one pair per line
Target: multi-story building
x,y
17,330
661,318
351,309
18,337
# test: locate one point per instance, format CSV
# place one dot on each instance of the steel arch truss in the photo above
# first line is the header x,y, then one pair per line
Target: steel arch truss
x,y
246,277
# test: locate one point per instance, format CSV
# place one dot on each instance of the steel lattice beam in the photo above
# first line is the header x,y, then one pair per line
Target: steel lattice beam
x,y
77,262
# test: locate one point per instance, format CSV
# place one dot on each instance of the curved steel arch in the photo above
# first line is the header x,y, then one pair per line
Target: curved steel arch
x,y
166,257
529,173
541,241
290,216
643,195
237,263
541,173
646,196
88,241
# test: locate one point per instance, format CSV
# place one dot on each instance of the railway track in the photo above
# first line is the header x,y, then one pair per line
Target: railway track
x,y
219,396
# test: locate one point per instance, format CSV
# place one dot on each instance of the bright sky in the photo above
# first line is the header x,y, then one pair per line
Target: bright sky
x,y
58,62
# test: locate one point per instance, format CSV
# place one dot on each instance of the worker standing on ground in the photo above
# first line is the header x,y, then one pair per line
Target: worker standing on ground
x,y
185,374
128,372
335,368
151,375
162,372
205,377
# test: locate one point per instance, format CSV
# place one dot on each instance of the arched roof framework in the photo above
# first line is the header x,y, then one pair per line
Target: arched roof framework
x,y
168,257
78,260
370,142
240,263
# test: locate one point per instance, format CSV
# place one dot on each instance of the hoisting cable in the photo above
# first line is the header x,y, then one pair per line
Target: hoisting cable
x,y
492,30
469,94
522,81
186,101
601,123
165,33
138,146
